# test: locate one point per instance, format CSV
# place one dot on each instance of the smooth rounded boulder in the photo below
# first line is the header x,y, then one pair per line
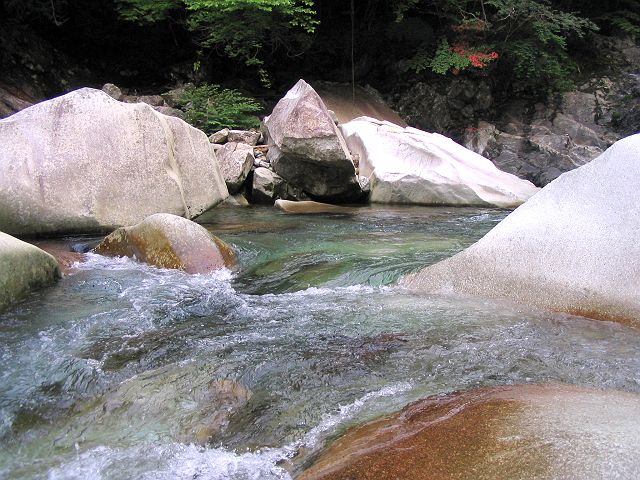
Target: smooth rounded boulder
x,y
306,148
573,247
512,432
23,268
409,166
168,241
85,162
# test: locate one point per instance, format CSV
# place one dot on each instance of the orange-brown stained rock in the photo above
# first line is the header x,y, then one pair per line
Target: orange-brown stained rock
x,y
491,433
168,241
62,253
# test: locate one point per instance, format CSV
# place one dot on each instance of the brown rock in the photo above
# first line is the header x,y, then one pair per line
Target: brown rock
x,y
62,253
512,432
249,137
168,241
309,206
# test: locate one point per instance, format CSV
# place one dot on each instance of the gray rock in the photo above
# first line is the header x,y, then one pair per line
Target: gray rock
x,y
173,98
268,186
306,148
265,186
235,160
85,162
244,136
171,112
112,90
23,268
221,136
572,247
153,100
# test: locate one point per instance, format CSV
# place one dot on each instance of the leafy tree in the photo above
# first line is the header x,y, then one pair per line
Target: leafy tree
x,y
529,36
210,108
239,29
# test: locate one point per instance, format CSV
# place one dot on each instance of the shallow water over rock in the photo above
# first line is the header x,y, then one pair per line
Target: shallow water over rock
x,y
243,374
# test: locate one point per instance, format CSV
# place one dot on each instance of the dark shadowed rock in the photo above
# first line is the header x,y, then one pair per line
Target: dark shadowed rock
x,y
168,241
268,186
573,247
306,149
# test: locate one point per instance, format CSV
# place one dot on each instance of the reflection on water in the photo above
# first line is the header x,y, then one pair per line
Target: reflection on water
x,y
245,373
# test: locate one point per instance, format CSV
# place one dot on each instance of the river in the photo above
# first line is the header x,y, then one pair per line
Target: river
x,y
122,370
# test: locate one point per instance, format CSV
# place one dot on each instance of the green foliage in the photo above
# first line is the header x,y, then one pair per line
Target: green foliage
x,y
445,59
210,108
239,29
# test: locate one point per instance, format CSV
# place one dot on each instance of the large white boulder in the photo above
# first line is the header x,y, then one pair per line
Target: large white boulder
x,y
23,267
407,165
573,247
84,161
306,148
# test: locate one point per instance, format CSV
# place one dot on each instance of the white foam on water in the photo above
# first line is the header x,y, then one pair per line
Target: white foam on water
x,y
345,413
173,461
178,461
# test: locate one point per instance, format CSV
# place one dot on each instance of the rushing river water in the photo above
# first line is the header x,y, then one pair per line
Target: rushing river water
x,y
127,371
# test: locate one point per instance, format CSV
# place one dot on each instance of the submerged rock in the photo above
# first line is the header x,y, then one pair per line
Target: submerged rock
x,y
236,160
306,148
310,207
572,248
410,166
168,241
514,432
86,162
23,268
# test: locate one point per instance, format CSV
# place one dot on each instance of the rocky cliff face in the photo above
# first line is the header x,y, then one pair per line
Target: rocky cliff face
x,y
536,140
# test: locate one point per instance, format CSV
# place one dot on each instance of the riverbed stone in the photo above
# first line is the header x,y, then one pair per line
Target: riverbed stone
x,y
112,90
85,162
306,148
410,166
515,432
309,206
249,137
221,136
23,268
169,241
268,186
236,160
571,248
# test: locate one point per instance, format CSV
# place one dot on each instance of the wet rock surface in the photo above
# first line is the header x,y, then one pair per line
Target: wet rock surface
x,y
23,268
518,432
168,241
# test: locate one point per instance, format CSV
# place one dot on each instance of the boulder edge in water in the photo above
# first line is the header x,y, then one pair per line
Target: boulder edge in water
x,y
510,432
23,268
573,247
167,241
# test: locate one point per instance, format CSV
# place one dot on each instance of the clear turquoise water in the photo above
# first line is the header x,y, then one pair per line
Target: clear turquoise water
x,y
127,371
